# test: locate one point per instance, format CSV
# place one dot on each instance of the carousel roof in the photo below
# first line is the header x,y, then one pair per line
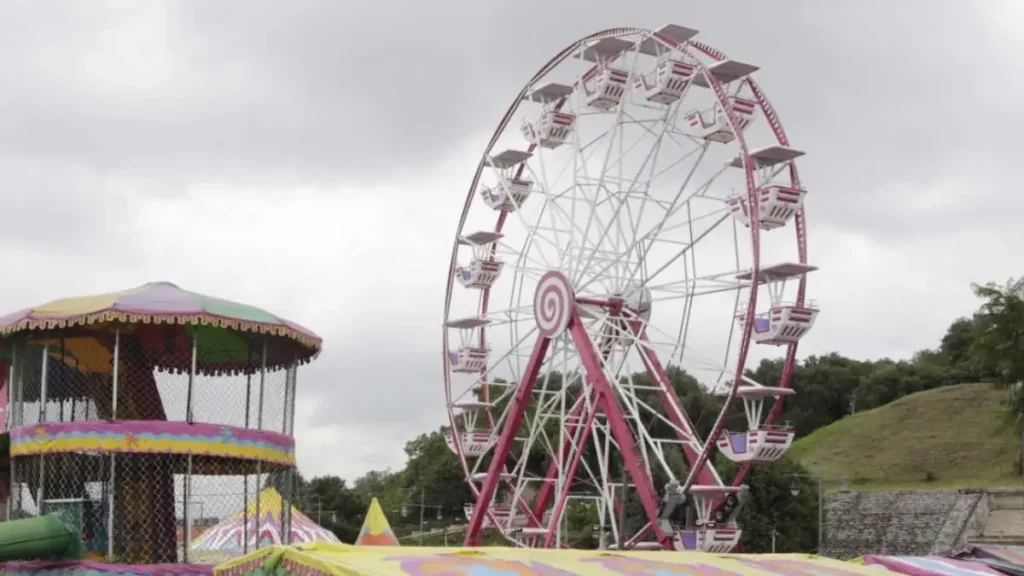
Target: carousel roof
x,y
164,304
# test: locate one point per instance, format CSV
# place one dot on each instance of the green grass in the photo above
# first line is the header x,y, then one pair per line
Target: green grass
x,y
943,438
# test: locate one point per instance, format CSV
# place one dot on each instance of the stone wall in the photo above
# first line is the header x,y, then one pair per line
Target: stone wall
x,y
900,522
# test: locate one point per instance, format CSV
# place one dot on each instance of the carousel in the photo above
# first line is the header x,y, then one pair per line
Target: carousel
x,y
145,416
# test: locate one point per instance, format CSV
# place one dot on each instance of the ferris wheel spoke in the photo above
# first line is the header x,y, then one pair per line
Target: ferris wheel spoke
x,y
609,137
643,243
650,159
725,280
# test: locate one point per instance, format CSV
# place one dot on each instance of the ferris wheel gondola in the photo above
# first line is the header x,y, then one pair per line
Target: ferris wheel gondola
x,y
611,244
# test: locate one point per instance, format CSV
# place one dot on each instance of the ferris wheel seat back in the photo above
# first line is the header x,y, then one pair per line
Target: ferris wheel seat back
x,y
480,273
551,130
468,359
776,206
784,324
507,196
762,445
713,540
501,513
605,90
474,443
713,124
667,82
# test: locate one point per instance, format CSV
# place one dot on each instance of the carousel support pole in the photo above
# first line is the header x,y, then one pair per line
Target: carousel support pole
x,y
12,399
114,373
286,497
21,389
189,411
43,383
245,494
259,426
190,417
187,544
290,409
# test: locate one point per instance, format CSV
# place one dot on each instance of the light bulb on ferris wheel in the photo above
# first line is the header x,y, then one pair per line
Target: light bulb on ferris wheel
x,y
628,216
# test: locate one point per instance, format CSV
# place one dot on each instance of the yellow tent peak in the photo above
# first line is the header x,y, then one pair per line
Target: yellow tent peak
x,y
376,530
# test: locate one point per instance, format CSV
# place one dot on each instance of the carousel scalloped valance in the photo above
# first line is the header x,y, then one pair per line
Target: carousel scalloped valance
x,y
162,317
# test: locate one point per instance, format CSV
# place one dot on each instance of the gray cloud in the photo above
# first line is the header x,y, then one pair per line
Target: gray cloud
x,y
116,126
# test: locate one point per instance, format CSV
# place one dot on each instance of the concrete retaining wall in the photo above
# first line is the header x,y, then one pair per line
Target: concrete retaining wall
x,y
901,522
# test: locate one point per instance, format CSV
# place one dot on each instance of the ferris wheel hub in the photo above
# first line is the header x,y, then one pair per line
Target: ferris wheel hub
x,y
553,304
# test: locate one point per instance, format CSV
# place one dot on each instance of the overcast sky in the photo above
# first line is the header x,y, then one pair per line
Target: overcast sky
x,y
312,157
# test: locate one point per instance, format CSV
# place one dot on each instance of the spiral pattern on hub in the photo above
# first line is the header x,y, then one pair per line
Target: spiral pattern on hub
x,y
552,304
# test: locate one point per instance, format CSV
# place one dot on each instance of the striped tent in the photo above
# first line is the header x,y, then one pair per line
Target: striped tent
x,y
228,536
930,566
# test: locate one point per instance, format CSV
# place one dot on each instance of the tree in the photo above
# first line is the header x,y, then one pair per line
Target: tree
x,y
999,343
373,483
434,472
999,337
334,506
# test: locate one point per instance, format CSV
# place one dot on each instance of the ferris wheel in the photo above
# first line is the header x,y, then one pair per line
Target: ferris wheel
x,y
626,226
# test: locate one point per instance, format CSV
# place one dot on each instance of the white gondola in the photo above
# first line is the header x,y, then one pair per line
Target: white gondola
x,y
784,322
502,513
713,124
469,357
552,128
474,443
507,196
776,206
759,443
667,82
512,189
605,90
604,87
483,268
706,535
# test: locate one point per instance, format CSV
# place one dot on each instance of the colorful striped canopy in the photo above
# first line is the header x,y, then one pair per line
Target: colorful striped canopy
x,y
229,535
166,319
930,566
321,558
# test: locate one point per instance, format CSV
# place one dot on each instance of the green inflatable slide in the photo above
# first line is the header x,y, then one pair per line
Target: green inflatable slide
x,y
47,537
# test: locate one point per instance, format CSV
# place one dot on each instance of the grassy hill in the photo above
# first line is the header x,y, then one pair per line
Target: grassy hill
x,y
946,437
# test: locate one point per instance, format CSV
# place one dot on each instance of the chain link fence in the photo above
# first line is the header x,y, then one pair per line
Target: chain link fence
x,y
78,387
114,431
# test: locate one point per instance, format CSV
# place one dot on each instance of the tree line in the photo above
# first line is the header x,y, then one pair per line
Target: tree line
x,y
986,347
